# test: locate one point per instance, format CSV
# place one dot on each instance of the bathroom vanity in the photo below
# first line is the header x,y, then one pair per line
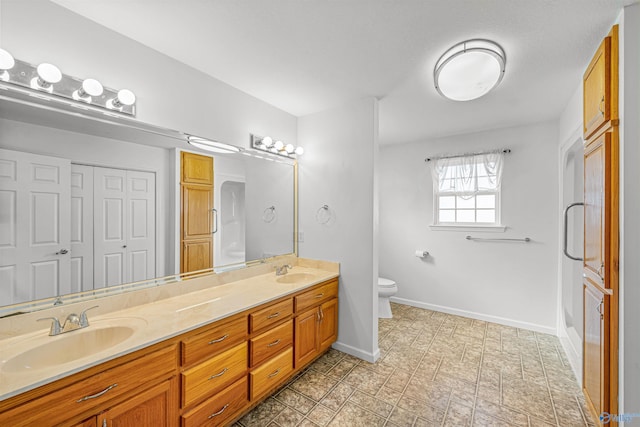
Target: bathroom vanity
x,y
175,367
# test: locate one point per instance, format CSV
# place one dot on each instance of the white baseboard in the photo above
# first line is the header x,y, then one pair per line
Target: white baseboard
x,y
575,357
478,316
364,355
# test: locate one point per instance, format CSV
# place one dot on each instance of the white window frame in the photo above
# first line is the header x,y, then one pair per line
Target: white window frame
x,y
468,226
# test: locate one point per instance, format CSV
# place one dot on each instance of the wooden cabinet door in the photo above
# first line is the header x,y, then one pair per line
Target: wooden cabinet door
x,y
595,363
196,214
155,407
328,328
306,337
91,422
597,90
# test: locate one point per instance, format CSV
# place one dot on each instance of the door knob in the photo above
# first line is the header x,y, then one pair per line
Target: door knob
x,y
62,252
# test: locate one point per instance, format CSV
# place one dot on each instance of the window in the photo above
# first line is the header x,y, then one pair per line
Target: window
x,y
467,190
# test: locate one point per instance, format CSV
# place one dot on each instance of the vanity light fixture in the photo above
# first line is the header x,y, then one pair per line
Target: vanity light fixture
x,y
213,146
469,70
89,89
46,81
265,143
48,75
6,63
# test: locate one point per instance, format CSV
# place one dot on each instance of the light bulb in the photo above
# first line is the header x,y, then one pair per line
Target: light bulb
x,y
289,148
48,74
124,97
279,145
299,151
90,87
6,60
267,141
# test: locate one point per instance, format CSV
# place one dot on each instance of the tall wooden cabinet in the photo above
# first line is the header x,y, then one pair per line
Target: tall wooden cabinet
x,y
197,213
601,194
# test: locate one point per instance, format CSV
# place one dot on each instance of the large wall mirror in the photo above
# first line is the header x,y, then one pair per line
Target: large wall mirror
x,y
90,203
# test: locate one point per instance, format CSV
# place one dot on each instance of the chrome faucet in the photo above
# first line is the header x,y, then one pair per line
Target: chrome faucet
x,y
72,322
281,271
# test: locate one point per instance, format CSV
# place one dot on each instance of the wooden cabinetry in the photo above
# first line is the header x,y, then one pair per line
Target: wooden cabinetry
x,y
197,213
103,391
595,342
601,240
600,86
225,368
316,327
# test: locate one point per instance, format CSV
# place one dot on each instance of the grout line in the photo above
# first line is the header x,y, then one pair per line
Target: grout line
x,y
582,414
464,351
544,370
522,368
475,397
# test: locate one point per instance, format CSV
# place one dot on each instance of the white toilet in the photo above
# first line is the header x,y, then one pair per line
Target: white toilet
x,y
386,289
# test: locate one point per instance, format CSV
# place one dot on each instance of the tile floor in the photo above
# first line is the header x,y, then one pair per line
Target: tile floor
x,y
436,369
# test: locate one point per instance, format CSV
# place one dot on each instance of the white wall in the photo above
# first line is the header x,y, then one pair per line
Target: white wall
x,y
105,152
169,93
338,169
512,283
630,214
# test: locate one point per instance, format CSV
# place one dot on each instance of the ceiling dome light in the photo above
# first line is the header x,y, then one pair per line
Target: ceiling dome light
x,y
469,70
209,145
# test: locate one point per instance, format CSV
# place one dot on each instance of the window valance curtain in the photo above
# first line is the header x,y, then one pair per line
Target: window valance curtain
x,y
467,175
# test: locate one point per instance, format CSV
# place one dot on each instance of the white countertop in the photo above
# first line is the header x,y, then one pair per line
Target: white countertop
x,y
152,323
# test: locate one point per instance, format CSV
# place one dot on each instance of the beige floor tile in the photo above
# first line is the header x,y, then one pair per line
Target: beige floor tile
x,y
295,400
372,404
289,417
354,416
314,385
402,417
321,415
336,397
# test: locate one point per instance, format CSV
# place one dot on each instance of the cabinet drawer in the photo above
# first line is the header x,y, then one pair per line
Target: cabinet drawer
x,y
316,295
216,410
94,391
270,315
271,373
271,342
214,340
213,375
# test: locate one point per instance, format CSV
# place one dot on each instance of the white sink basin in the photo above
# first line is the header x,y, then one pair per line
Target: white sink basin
x,y
70,346
295,278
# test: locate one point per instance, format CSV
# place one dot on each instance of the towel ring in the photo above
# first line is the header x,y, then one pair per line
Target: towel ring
x,y
269,214
324,214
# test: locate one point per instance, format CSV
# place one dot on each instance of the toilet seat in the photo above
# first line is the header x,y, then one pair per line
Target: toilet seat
x,y
385,283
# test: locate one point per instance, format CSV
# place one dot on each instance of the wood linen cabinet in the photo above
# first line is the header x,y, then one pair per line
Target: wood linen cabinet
x,y
196,212
601,239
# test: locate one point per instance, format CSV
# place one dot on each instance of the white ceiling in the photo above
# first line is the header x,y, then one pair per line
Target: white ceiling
x,y
307,56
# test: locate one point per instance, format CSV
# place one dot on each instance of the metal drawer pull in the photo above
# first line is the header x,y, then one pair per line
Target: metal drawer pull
x,y
319,295
274,373
276,342
219,339
271,316
93,396
219,374
215,414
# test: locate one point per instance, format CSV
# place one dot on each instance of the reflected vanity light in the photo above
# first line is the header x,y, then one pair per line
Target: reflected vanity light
x,y
46,81
469,70
266,143
213,146
6,63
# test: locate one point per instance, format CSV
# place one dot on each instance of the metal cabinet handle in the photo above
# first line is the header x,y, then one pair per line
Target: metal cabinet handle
x,y
566,221
271,316
93,396
219,374
276,342
215,414
600,105
62,252
219,339
321,314
599,309
214,212
274,373
319,295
